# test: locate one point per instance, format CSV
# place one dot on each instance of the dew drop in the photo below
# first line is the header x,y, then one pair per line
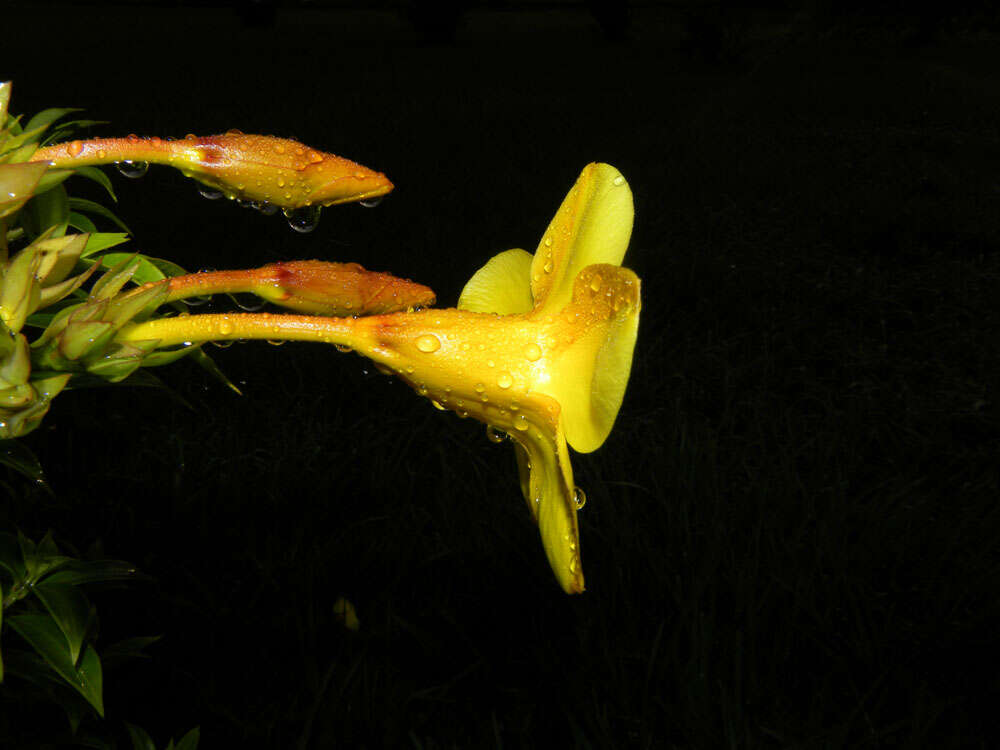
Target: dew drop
x,y
595,283
101,154
196,301
244,203
223,344
547,267
504,380
428,343
225,328
533,352
521,423
210,193
276,342
75,148
371,202
548,242
579,497
342,348
268,209
438,405
480,387
234,131
279,148
495,435
248,302
132,169
619,181
303,219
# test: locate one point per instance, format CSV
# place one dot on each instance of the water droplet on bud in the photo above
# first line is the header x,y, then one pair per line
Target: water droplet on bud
x,y
371,202
579,497
303,219
132,169
210,193
428,343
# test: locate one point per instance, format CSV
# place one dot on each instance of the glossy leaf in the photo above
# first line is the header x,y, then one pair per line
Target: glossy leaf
x,y
102,241
17,456
45,637
140,738
48,116
100,177
90,207
79,572
70,610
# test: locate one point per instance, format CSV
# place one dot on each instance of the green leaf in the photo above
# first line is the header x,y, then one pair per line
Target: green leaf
x,y
19,457
48,116
90,207
150,269
79,572
140,738
44,635
190,740
42,558
208,364
100,177
70,610
49,209
81,222
52,178
11,557
102,241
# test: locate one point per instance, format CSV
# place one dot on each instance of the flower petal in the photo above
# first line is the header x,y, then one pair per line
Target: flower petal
x,y
549,490
596,333
593,225
501,286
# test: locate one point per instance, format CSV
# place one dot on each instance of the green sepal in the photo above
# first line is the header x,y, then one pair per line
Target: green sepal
x,y
15,367
59,256
82,338
5,88
117,276
18,183
19,292
117,365
53,294
16,397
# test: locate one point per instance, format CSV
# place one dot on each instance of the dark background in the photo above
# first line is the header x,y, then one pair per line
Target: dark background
x,y
791,534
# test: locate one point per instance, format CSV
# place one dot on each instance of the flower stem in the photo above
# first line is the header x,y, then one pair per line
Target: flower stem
x,y
196,329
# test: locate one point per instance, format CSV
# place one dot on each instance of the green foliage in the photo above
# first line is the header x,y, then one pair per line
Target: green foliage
x,y
43,602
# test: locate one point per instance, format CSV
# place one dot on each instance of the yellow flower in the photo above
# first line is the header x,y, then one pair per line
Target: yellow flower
x,y
540,348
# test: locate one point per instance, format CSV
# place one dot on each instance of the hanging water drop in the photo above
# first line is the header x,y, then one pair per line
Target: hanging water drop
x,y
268,209
275,342
579,497
248,302
303,219
132,169
223,344
210,193
196,301
494,434
342,348
371,202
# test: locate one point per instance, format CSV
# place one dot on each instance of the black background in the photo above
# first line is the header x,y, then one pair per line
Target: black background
x,y
812,183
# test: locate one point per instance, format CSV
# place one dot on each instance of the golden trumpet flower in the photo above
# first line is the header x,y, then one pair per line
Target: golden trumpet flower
x,y
539,347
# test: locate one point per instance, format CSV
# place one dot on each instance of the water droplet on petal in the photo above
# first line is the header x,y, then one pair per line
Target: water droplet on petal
x,y
619,181
548,242
504,380
210,193
595,283
371,202
579,497
533,352
521,423
132,169
223,344
303,219
480,387
342,348
225,328
275,342
428,343
495,435
438,405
